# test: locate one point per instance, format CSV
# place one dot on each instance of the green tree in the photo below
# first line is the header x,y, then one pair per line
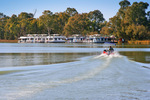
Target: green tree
x,y
130,18
124,4
11,28
2,15
47,20
76,25
60,19
96,17
137,32
106,30
136,14
115,23
71,11
32,26
23,20
3,21
148,19
148,15
41,29
118,21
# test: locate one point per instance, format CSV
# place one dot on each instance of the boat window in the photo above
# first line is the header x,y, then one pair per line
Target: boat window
x,y
24,39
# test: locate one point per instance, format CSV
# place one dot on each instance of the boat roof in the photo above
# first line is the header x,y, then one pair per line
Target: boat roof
x,y
23,37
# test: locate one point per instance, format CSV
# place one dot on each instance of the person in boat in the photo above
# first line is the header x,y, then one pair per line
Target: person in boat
x,y
111,49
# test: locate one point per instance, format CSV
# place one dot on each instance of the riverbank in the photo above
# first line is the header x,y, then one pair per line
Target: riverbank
x,y
8,41
145,42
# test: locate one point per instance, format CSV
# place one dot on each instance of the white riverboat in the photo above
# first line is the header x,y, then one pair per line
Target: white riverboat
x,y
56,38
22,39
96,38
42,38
76,39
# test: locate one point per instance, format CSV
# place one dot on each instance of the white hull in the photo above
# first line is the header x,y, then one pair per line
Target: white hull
x,y
56,41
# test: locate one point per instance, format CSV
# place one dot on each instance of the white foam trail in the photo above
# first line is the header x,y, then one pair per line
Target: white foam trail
x,y
116,54
87,75
35,88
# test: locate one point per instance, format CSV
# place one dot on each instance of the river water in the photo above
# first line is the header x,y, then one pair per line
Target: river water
x,y
74,72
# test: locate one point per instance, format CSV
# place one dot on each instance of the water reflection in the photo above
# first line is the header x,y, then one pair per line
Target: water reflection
x,y
138,56
26,59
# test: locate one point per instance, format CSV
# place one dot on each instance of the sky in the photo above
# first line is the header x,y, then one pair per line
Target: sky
x,y
108,8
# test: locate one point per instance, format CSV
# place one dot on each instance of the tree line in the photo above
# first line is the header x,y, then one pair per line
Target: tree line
x,y
66,23
131,22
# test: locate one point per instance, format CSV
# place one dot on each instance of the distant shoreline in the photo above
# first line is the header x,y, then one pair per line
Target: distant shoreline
x,y
138,42
8,41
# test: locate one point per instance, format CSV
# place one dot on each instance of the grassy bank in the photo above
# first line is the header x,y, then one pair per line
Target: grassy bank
x,y
8,41
145,42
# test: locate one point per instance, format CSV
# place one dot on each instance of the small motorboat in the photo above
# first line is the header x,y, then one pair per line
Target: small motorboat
x,y
110,51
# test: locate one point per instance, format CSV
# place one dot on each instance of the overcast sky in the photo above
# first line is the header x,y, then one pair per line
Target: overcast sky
x,y
109,8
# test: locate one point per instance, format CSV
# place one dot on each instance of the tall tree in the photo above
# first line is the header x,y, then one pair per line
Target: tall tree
x,y
23,22
60,19
76,24
12,28
41,29
3,21
148,15
124,4
136,13
32,26
2,15
96,17
47,20
136,32
71,11
148,19
128,19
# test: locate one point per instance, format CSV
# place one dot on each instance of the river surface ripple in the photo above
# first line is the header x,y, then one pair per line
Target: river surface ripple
x,y
73,72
